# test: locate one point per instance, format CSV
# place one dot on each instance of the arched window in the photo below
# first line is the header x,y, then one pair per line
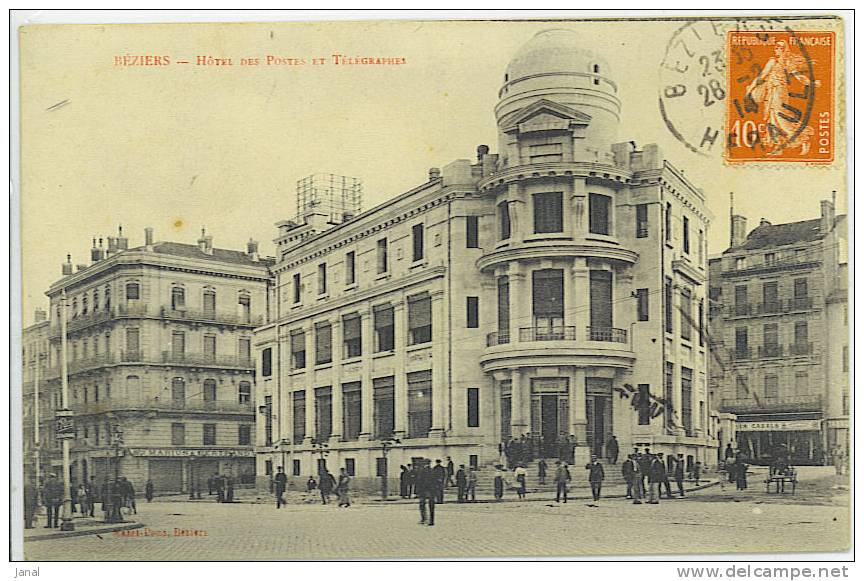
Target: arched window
x,y
178,298
133,291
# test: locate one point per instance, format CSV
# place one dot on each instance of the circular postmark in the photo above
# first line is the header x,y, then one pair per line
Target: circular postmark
x,y
699,69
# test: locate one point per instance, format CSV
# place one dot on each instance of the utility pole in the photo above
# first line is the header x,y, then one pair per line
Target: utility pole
x,y
65,423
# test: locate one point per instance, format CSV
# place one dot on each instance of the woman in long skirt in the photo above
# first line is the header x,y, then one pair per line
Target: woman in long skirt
x,y
342,488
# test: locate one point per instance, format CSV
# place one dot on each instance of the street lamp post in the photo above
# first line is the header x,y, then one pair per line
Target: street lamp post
x,y
386,445
322,449
65,423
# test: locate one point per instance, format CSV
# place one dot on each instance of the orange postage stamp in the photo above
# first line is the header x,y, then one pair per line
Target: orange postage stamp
x,y
780,104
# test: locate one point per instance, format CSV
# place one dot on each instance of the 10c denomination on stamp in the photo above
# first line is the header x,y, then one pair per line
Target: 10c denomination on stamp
x,y
780,96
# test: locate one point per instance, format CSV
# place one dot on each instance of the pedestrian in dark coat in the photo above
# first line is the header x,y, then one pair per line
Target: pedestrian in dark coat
x,y
91,490
638,491
645,460
148,491
665,483
562,478
412,480
229,489
280,481
612,450
541,471
403,481
461,483
595,477
499,482
627,472
656,477
31,501
427,491
342,488
211,484
741,472
311,484
326,483
219,485
679,474
440,477
450,471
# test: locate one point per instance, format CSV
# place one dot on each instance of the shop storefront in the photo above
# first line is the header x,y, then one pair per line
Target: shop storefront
x,y
760,438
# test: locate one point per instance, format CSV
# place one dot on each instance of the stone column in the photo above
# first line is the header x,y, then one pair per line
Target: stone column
x,y
367,404
570,300
520,303
581,303
308,385
440,387
579,208
400,387
519,404
336,374
578,408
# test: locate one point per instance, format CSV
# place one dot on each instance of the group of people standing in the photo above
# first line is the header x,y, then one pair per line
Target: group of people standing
x,y
114,496
641,468
528,447
222,485
465,481
326,485
736,463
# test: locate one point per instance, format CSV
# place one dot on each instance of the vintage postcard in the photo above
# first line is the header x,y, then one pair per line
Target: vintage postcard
x,y
433,288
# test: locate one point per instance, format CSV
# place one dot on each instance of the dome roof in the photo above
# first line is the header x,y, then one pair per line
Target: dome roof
x,y
554,51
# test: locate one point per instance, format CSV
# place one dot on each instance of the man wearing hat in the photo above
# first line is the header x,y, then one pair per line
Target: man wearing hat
x,y
52,496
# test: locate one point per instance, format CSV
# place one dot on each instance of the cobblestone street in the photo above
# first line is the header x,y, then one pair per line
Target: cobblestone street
x,y
709,521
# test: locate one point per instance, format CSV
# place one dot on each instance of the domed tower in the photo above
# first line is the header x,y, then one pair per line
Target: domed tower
x,y
554,83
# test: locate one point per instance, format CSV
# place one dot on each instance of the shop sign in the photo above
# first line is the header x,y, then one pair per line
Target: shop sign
x,y
65,425
179,453
779,426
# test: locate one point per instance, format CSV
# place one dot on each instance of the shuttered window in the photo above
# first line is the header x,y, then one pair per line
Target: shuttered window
x,y
687,400
641,220
472,232
209,390
352,336
642,304
472,312
503,308
419,319
598,213
601,299
417,246
323,343
419,404
209,435
383,322
548,212
548,293
351,410
384,407
178,343
687,322
323,413
771,386
504,220
298,349
473,397
299,415
267,362
350,268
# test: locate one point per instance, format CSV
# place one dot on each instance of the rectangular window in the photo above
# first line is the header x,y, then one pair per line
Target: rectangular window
x,y
267,362
548,212
352,335
244,435
770,335
685,234
545,152
419,404
322,278
472,232
802,383
349,466
800,288
600,288
473,407
419,319
209,435
472,309
209,304
667,217
244,348
350,268
297,289
380,467
686,315
132,341
298,408
244,392
503,310
740,262
667,304
382,256
178,343
178,434
382,320
641,220
644,404
210,347
504,220
642,304
770,304
244,304
599,214
741,306
687,400
323,343
323,413
801,335
133,291
209,390
417,242
295,467
770,258
384,407
352,411
547,299
668,386
771,387
298,349
742,347
701,250
178,298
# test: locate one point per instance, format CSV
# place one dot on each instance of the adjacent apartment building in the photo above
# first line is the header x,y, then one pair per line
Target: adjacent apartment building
x,y
556,288
40,452
160,368
779,331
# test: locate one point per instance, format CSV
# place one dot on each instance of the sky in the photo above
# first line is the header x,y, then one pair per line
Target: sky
x,y
187,146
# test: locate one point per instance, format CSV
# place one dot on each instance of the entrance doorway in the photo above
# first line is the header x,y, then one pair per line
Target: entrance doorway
x,y
550,412
598,406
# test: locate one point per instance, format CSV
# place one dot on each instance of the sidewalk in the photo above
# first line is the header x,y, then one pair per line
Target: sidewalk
x,y
83,526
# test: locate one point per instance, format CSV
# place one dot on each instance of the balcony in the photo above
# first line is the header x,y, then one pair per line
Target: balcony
x,y
801,403
800,304
609,334
497,338
211,316
769,308
799,349
207,360
157,404
547,334
770,351
777,307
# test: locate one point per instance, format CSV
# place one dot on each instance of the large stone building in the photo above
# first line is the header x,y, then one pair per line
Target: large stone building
x,y
555,288
160,365
779,330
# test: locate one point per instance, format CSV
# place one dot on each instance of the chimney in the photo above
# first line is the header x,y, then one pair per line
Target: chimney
x,y
67,266
739,230
205,243
252,250
827,223
148,239
39,315
122,241
112,246
94,252
434,173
